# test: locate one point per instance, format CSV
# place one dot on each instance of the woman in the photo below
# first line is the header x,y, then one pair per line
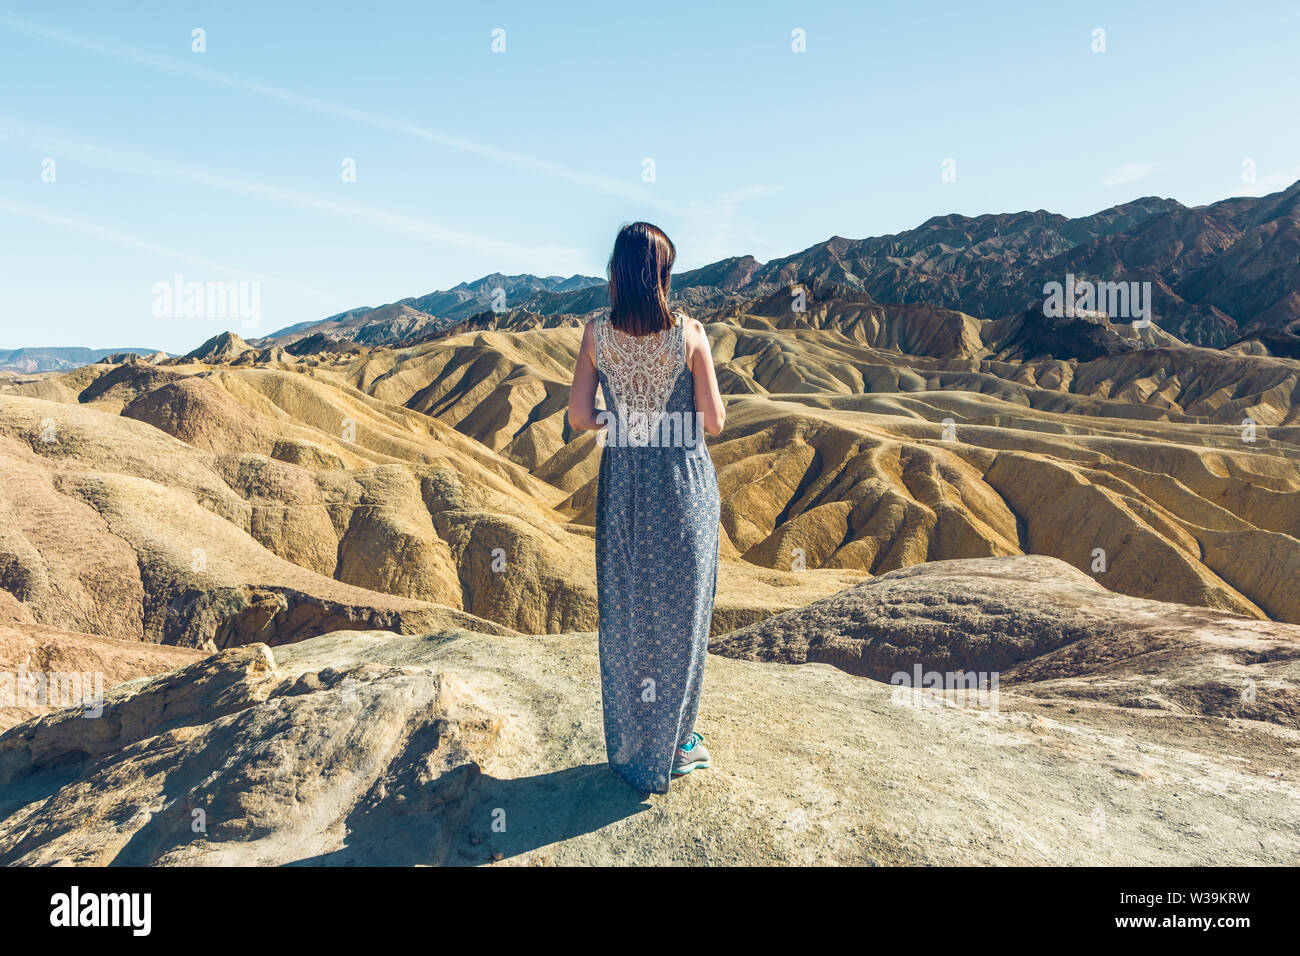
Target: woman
x,y
657,511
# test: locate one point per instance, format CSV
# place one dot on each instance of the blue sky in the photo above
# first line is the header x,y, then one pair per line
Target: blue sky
x,y
227,165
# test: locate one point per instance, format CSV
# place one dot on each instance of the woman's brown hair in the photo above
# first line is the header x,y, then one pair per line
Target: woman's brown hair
x,y
640,268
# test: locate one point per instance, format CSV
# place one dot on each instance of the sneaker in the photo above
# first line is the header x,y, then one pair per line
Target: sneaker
x,y
691,757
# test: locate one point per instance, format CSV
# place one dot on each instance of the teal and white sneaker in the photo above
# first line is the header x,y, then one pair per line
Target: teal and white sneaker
x,y
691,757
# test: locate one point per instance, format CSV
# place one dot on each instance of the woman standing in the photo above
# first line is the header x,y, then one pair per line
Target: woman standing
x,y
657,510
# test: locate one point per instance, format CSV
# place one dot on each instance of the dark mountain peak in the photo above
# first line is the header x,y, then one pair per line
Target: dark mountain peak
x,y
494,280
1279,205
321,342
1157,203
985,222
728,274
1117,218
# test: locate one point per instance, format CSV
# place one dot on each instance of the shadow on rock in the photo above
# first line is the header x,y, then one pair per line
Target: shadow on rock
x,y
475,818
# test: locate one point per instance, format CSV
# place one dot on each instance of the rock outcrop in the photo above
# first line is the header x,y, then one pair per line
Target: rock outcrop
x,y
1045,629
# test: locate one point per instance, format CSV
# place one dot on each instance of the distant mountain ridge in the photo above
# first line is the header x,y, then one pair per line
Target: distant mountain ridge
x,y
28,361
1218,273
412,318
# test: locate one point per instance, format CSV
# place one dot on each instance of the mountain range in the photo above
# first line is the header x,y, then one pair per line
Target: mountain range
x,y
1218,273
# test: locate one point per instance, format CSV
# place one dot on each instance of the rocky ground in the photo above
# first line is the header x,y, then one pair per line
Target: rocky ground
x,y
464,748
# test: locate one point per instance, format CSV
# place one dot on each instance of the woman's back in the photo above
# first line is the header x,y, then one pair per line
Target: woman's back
x,y
648,390
657,511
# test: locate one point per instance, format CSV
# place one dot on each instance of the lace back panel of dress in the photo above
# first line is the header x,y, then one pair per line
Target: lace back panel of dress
x,y
641,372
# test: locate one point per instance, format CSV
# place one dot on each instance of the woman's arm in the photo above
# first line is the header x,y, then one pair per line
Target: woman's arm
x,y
708,401
582,396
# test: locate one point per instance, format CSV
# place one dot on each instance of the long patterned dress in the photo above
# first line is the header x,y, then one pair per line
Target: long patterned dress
x,y
657,512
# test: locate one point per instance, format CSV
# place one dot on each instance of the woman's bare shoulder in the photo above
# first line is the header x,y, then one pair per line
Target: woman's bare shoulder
x,y
692,328
588,344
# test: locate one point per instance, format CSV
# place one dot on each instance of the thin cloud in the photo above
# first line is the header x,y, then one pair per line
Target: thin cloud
x,y
166,64
711,221
1128,173
107,234
138,164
